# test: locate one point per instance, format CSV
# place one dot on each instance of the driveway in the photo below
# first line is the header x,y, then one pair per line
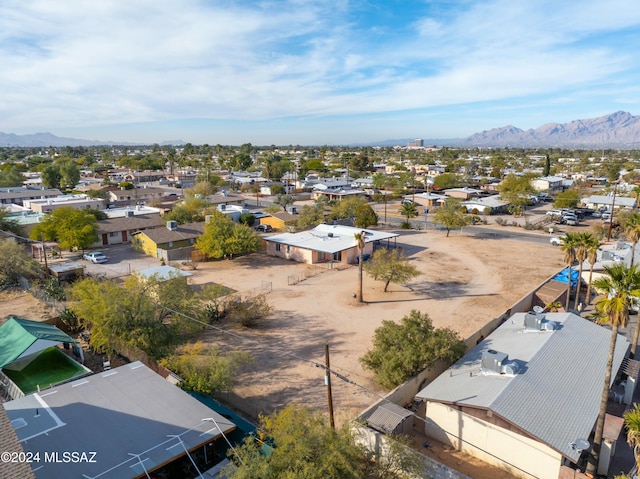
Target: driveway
x,y
123,260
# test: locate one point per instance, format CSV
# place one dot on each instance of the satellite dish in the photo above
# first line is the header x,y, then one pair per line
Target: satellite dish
x,y
538,309
580,445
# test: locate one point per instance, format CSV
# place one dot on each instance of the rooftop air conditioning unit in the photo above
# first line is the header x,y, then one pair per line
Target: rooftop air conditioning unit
x,y
494,362
128,214
172,225
533,321
330,235
538,322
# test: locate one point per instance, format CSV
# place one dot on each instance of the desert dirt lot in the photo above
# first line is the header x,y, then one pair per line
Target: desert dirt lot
x,y
465,282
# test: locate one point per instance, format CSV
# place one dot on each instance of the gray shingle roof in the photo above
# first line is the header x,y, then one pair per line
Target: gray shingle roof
x,y
137,222
163,235
555,396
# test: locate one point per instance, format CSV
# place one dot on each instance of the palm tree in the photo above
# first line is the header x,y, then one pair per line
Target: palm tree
x,y
618,286
409,210
592,257
632,422
581,251
569,248
632,228
360,239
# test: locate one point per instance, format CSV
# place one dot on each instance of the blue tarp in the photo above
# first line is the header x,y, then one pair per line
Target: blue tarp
x,y
563,275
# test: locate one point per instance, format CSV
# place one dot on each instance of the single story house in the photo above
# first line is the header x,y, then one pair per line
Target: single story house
x,y
18,194
597,201
232,211
527,397
79,202
326,244
339,194
548,184
325,184
144,194
277,221
494,203
119,230
124,423
427,199
266,187
463,193
225,198
174,242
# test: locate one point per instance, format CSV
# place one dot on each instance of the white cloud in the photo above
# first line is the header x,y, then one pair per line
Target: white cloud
x,y
73,63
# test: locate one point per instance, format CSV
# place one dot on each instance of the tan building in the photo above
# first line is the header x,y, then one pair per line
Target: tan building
x,y
525,396
78,202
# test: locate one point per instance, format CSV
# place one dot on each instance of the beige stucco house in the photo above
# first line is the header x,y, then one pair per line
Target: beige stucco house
x,y
525,396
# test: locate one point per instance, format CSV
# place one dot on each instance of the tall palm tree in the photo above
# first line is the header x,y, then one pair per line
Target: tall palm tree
x,y
592,257
632,422
581,251
618,286
360,241
570,240
632,228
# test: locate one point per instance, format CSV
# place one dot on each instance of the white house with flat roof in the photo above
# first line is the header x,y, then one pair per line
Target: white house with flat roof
x,y
327,244
524,396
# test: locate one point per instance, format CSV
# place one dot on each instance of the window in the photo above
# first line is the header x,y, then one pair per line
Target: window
x,y
113,234
277,246
288,249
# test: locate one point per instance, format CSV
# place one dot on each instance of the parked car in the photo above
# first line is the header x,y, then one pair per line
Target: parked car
x,y
606,215
571,221
556,241
264,228
554,213
95,257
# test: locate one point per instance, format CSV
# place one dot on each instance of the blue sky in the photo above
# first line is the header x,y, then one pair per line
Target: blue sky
x,y
311,72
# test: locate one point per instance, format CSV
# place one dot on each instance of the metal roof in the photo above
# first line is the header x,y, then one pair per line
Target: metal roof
x,y
555,396
387,417
328,238
125,415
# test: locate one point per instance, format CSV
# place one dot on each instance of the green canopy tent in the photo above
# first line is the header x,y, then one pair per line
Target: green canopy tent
x,y
21,340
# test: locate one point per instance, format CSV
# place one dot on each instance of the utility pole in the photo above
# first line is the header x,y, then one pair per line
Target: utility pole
x,y
327,381
46,265
613,203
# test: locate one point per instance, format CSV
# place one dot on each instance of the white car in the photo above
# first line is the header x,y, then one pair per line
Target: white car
x,y
95,257
554,213
556,241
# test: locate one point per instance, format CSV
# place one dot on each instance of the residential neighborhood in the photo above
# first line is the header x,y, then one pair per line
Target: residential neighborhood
x,y
147,275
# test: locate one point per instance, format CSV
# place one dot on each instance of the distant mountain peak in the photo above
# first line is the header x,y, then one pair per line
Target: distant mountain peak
x,y
620,129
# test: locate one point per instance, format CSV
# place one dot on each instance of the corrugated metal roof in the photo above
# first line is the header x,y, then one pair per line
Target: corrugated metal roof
x,y
556,394
387,417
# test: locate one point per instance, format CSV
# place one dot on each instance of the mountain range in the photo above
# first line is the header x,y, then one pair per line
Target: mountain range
x,y
617,130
